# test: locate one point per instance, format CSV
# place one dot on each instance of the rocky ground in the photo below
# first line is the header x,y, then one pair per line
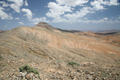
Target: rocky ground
x,y
59,70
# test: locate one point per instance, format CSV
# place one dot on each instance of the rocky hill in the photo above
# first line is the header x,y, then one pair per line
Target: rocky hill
x,y
1,31
56,54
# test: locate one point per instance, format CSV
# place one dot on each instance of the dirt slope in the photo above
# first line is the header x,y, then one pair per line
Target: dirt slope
x,y
45,43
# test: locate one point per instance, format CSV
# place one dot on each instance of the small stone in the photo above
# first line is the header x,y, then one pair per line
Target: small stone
x,y
84,65
34,78
93,70
11,74
12,70
95,62
28,77
78,70
31,74
117,73
21,75
52,77
23,78
36,75
87,72
19,78
81,71
103,78
108,70
110,74
1,76
94,76
99,72
75,78
91,73
72,75
4,72
16,74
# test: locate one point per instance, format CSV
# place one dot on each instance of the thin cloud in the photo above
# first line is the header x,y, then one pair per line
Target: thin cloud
x,y
109,3
5,26
36,20
17,18
26,3
72,3
56,10
21,23
119,16
36,10
16,5
84,11
28,13
4,15
97,5
4,4
103,20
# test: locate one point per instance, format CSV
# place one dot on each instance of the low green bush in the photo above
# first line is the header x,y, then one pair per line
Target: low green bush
x,y
104,75
4,65
28,69
1,57
73,63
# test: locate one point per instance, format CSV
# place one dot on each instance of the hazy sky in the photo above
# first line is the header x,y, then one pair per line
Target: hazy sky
x,y
64,14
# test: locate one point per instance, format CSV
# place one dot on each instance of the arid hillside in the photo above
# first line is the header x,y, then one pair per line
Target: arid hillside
x,y
1,31
51,48
111,37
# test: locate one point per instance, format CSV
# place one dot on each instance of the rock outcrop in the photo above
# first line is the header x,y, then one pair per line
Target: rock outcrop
x,y
44,25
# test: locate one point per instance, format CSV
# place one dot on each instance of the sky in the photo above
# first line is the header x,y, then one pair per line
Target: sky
x,y
84,15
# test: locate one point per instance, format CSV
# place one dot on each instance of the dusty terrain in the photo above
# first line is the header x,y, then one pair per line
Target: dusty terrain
x,y
49,50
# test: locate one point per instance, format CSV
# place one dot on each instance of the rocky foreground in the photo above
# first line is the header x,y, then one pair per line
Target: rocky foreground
x,y
59,70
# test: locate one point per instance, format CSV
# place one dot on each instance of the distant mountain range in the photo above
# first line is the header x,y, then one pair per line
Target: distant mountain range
x,y
1,31
107,32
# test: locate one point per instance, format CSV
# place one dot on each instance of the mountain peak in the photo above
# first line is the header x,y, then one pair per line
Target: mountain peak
x,y
44,25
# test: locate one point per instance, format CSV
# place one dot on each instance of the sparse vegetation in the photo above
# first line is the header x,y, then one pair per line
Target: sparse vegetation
x,y
104,75
28,69
0,56
4,65
73,63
